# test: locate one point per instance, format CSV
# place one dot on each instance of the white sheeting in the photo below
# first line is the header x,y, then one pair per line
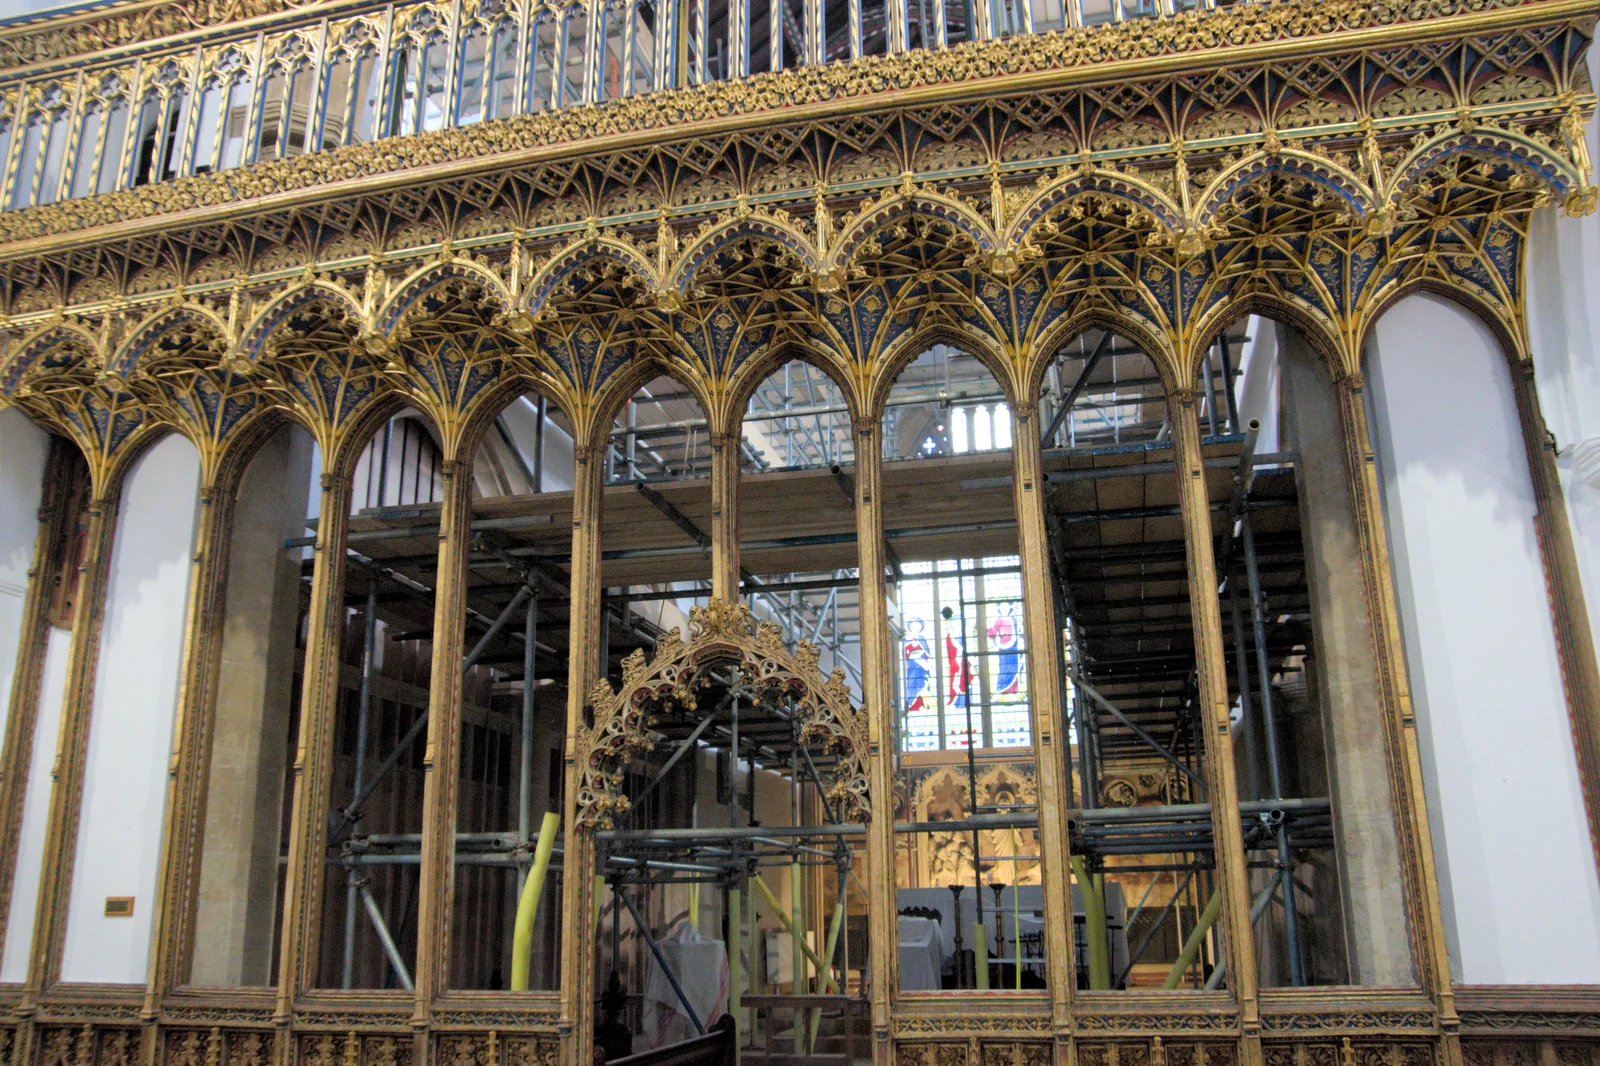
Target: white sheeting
x,y
701,967
1028,926
922,954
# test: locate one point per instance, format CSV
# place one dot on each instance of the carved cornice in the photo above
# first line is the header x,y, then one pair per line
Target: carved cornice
x,y
367,1018
79,1011
1529,1022
219,1014
1105,54
50,37
962,1017
502,1018
1551,1010
956,1025
1148,1021
1339,1021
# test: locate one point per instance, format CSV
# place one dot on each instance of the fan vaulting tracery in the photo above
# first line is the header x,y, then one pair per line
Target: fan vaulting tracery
x,y
447,331
1161,206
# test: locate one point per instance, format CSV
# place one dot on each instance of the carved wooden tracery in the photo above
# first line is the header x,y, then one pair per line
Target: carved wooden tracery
x,y
721,634
1156,177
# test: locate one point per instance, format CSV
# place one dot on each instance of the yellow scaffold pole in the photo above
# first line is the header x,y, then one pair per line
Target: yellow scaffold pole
x,y
528,905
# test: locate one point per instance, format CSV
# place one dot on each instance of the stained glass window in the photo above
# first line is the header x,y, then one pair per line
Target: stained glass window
x,y
963,655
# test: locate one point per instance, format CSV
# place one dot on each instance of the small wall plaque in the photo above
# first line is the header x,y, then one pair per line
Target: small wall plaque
x,y
119,906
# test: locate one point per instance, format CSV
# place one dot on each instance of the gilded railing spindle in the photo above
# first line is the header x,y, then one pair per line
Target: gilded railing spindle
x,y
454,37
775,35
593,49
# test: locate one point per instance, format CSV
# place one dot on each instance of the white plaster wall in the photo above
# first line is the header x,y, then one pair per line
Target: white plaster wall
x,y
23,447
522,420
1258,380
36,808
1516,871
130,733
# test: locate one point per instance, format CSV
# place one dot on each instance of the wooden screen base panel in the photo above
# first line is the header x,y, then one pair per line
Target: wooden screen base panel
x,y
121,1045
1525,1052
1523,1026
1155,1051
1500,1027
1160,1051
1304,1051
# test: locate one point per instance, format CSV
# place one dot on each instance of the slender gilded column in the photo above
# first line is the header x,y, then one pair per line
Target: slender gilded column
x,y
1570,615
578,893
183,833
1044,688
1211,666
1423,907
313,760
877,699
440,782
66,795
17,756
725,514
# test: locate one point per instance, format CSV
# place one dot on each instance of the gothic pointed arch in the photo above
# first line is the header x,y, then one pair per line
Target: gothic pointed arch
x,y
1507,329
519,377
1330,178
188,325
1320,331
455,275
1036,216
452,341
758,229
599,258
748,376
327,297
1520,156
183,373
856,235
1296,277
1098,254
54,345
903,352
316,364
98,411
1094,315
1476,260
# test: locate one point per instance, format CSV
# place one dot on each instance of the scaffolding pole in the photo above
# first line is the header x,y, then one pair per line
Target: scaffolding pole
x,y
390,949
1258,606
363,718
525,767
661,960
1160,749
